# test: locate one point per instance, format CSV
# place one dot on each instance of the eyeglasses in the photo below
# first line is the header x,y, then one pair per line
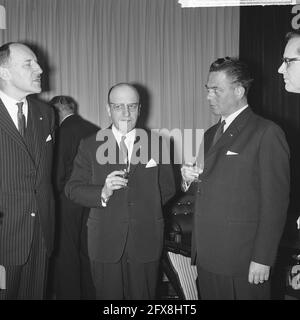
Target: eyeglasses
x,y
121,106
287,61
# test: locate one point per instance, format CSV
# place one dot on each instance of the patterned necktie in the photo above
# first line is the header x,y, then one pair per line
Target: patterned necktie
x,y
124,150
219,132
21,119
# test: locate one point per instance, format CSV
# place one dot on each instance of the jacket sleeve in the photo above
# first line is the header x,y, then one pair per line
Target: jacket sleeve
x,y
79,187
274,173
166,176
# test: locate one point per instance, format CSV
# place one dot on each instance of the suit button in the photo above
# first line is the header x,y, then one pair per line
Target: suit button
x,y
35,191
130,203
32,214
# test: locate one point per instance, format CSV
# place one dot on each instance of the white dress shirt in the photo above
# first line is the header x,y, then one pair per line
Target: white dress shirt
x,y
228,121
12,108
231,117
129,140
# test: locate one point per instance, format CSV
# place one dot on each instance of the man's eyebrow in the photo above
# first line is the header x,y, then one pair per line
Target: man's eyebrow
x,y
213,87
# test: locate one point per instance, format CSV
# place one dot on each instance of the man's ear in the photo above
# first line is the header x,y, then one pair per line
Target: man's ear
x,y
239,91
4,73
108,110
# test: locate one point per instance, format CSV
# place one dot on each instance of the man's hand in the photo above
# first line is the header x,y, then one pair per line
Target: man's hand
x,y
114,181
258,273
189,172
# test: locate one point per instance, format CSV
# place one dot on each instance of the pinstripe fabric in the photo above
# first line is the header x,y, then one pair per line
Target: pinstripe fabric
x,y
28,281
25,176
187,275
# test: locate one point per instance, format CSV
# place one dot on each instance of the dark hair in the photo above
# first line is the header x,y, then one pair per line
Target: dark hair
x,y
5,53
65,101
237,70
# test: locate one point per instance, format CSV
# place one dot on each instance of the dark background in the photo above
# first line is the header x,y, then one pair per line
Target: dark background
x,y
262,42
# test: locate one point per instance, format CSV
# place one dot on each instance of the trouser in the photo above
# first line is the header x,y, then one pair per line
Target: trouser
x,y
72,272
127,279
28,281
220,287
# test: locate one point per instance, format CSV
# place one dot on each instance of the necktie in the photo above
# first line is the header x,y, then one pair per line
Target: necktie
x,y
124,150
21,119
219,132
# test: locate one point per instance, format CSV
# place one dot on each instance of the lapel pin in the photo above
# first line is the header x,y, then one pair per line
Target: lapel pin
x,y
41,118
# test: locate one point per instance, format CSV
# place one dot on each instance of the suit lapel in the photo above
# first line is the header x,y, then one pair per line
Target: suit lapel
x,y
7,124
37,131
136,152
230,134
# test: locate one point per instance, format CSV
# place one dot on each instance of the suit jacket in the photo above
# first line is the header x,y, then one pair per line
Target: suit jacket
x,y
241,204
133,214
25,183
67,139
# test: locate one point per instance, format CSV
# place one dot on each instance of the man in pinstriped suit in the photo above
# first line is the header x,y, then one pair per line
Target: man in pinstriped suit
x,y
26,199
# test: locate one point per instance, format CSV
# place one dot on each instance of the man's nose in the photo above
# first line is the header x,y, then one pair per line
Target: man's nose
x,y
209,95
282,68
125,110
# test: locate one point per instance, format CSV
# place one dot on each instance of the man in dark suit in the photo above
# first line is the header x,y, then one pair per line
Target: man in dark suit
x,y
72,269
242,194
290,70
125,225
26,198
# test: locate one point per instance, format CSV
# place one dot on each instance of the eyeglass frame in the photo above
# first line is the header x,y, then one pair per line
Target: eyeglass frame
x,y
287,61
122,106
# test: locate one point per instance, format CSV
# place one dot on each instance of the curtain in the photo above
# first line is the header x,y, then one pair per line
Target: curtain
x,y
86,46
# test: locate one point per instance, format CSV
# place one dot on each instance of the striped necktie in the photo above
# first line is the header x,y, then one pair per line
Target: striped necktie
x,y
21,119
219,132
124,150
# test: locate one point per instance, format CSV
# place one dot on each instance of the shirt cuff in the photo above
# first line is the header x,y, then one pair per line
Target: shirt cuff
x,y
185,185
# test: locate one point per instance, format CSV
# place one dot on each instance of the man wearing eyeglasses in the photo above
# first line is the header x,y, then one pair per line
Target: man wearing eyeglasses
x,y
242,194
290,67
125,225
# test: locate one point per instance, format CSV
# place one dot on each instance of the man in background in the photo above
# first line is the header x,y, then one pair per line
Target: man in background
x,y
125,225
72,275
242,194
26,197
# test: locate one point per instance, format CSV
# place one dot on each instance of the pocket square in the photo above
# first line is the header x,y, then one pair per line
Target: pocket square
x,y
151,163
49,138
231,153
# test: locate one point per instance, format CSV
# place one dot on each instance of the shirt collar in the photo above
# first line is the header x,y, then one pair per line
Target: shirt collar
x,y
9,101
69,115
231,117
130,136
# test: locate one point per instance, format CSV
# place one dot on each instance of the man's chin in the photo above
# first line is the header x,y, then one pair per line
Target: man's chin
x,y
36,89
291,89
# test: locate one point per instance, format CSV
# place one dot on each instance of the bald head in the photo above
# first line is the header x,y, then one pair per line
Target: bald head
x,y
123,106
123,91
